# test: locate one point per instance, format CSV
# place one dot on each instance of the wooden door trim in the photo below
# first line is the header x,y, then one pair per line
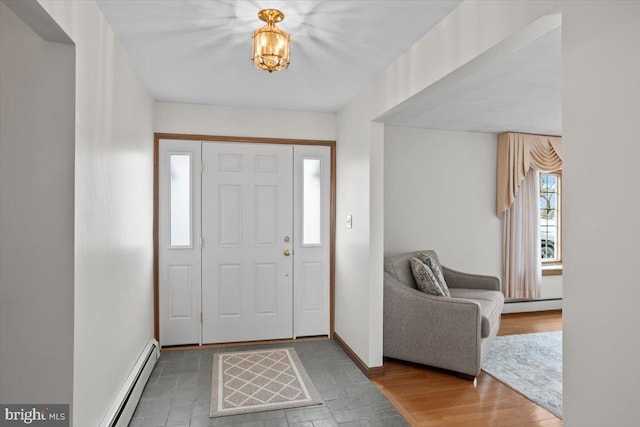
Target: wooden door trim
x,y
240,139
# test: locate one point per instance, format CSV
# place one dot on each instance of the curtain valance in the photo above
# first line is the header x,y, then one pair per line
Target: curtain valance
x,y
519,152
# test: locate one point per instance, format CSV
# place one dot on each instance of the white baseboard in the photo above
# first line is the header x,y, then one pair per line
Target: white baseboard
x,y
528,306
121,411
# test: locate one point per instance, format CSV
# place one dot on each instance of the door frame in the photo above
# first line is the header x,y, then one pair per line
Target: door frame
x,y
240,139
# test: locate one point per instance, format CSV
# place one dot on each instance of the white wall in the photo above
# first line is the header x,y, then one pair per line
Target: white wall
x,y
601,121
355,303
113,211
233,121
440,193
36,215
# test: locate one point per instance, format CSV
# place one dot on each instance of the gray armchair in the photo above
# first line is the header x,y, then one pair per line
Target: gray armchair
x,y
450,333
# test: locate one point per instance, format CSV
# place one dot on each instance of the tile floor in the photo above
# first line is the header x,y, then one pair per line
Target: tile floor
x,y
179,392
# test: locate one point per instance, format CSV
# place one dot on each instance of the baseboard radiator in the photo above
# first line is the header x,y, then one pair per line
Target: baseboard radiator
x,y
122,409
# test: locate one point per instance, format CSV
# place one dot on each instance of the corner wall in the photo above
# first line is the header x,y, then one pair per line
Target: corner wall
x,y
36,214
113,211
601,121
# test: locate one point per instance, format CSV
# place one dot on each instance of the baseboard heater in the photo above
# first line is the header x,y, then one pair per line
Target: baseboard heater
x,y
122,409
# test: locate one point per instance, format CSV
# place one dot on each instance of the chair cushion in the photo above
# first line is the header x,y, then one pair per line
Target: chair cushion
x,y
435,267
491,303
425,278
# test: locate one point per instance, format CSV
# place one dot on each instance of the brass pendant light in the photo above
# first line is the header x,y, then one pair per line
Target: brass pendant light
x,y
271,45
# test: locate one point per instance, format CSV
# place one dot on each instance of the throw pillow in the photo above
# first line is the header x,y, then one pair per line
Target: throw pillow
x,y
425,279
436,268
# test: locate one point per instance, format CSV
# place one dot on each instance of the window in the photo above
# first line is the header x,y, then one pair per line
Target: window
x,y
180,200
550,218
311,202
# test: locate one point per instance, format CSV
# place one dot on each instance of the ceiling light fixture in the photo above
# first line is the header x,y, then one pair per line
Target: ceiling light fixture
x,y
271,45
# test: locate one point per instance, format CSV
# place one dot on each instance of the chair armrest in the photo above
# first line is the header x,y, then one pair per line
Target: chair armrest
x,y
431,330
425,304
457,279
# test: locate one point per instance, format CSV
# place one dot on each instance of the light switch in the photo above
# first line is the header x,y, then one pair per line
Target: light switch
x,y
349,221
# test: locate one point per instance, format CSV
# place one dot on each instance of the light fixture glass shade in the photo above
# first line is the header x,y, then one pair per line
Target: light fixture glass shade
x,y
271,45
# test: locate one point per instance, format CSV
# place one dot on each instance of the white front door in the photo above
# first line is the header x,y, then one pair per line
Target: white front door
x,y
247,230
179,243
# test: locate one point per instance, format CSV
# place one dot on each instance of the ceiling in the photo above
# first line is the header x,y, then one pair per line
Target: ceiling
x,y
518,92
199,51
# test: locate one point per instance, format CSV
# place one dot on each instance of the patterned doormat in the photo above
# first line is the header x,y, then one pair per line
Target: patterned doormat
x,y
263,380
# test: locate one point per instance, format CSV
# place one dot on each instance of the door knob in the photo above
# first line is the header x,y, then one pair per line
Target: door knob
x,y
286,252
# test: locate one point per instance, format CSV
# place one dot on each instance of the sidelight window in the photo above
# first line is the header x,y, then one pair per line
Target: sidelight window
x,y
311,202
180,200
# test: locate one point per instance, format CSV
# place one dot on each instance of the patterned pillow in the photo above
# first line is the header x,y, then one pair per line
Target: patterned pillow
x,y
435,267
425,279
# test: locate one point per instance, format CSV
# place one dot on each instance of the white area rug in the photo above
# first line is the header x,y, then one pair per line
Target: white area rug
x,y
531,364
262,380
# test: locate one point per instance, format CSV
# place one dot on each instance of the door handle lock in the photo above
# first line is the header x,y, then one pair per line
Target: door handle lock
x,y
286,252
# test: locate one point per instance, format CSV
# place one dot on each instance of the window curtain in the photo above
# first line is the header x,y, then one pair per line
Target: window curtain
x,y
519,152
521,157
521,272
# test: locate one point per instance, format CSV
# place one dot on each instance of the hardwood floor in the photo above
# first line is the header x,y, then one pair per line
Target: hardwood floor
x,y
528,323
432,397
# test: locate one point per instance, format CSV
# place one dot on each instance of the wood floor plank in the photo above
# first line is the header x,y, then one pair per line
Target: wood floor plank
x,y
429,397
528,323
